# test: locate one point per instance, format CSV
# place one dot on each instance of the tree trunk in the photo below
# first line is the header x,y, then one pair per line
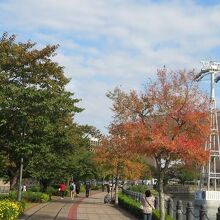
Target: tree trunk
x,y
14,180
112,189
161,197
103,185
44,184
116,187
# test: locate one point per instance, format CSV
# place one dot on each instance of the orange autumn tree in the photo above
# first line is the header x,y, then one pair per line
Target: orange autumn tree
x,y
113,156
168,122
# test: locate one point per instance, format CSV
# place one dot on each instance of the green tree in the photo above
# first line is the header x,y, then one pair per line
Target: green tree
x,y
185,173
37,113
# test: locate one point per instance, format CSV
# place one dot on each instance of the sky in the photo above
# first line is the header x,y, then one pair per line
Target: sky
x,y
109,43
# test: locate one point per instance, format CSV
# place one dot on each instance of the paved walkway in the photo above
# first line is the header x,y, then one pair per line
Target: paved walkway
x,y
81,208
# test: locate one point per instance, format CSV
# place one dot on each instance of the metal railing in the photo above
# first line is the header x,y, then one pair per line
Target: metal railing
x,y
176,212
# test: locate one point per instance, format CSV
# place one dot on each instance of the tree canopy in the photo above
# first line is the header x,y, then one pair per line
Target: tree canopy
x,y
168,121
37,112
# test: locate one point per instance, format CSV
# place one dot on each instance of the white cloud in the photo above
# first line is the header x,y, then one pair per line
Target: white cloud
x,y
119,42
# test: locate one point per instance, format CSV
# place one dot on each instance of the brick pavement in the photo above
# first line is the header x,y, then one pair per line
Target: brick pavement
x,y
81,208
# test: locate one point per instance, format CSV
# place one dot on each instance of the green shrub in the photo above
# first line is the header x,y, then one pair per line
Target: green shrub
x,y
29,196
13,195
97,187
141,189
4,196
34,188
53,191
82,189
133,207
35,197
156,215
130,205
10,210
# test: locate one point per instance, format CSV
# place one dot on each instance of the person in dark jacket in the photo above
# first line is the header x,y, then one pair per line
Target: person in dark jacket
x,y
77,188
88,187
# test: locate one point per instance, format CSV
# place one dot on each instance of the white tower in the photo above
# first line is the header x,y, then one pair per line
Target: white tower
x,y
209,172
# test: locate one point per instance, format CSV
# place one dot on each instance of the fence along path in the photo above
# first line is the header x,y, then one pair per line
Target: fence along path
x,y
177,211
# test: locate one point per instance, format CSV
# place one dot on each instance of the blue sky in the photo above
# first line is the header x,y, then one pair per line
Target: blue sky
x,y
105,43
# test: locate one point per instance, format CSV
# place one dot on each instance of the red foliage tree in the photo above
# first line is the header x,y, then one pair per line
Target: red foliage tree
x,y
115,158
168,122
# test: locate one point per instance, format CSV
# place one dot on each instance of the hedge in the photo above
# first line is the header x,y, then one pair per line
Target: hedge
x,y
130,205
133,207
27,196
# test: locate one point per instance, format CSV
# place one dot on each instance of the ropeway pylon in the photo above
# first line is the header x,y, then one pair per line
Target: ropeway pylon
x,y
209,174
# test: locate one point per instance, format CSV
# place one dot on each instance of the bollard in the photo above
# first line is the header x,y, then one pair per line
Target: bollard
x,y
189,211
218,214
156,203
202,213
170,207
179,212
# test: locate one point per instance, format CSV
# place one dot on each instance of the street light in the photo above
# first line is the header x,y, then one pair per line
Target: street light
x,y
21,163
20,180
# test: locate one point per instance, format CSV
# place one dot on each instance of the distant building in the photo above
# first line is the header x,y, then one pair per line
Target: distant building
x,y
94,142
4,187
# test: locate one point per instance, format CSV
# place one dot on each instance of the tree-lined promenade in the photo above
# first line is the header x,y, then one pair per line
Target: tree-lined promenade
x,y
153,132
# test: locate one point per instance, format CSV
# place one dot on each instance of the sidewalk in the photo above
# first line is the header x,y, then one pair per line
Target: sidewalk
x,y
93,208
81,208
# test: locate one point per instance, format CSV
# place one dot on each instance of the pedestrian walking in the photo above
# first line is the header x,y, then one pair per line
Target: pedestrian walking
x,y
72,189
108,188
62,189
24,188
147,202
88,187
77,188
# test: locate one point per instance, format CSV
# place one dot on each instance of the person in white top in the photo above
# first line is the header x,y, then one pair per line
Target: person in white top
x,y
147,202
72,189
24,188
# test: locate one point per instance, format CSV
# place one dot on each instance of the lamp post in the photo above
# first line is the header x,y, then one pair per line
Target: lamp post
x,y
20,180
21,163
